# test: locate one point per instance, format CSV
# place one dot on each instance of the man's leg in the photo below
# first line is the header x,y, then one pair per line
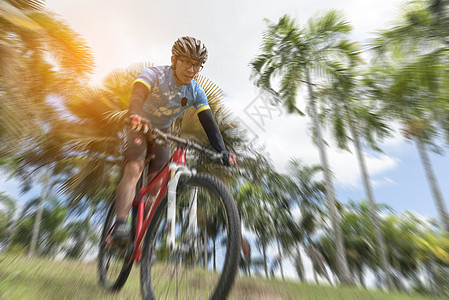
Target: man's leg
x,y
134,154
135,149
126,189
123,201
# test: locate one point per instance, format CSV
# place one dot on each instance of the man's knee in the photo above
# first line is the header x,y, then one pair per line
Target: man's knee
x,y
133,169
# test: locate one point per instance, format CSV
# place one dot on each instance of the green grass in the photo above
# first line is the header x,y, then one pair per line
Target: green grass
x,y
23,278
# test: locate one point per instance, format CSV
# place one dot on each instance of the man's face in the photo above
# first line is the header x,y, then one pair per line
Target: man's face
x,y
185,68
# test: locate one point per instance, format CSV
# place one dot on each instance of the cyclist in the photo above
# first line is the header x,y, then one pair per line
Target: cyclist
x,y
160,94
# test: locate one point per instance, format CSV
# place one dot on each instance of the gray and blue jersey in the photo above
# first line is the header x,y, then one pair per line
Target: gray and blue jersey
x,y
167,99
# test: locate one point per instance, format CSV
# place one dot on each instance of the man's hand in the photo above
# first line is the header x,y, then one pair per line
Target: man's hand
x,y
139,123
228,158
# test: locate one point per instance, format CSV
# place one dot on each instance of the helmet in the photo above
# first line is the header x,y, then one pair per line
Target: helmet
x,y
190,47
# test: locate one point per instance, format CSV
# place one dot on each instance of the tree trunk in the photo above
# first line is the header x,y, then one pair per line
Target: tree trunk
x,y
299,266
315,276
205,246
11,230
379,279
369,193
361,276
430,276
342,262
87,229
264,251
280,259
215,264
434,187
397,280
40,208
416,275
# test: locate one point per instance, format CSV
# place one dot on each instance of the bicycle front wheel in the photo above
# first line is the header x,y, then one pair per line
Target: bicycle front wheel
x,y
204,261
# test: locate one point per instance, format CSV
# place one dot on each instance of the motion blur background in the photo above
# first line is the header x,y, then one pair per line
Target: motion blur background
x,y
67,68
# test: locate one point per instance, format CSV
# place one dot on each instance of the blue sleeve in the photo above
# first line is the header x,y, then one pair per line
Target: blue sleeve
x,y
200,99
148,77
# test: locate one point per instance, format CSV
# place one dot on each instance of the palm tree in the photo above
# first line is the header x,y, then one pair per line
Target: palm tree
x,y
52,234
255,210
44,194
280,190
80,235
401,251
433,248
361,239
306,56
421,246
86,215
15,18
412,62
8,208
358,245
265,196
30,35
253,167
346,109
309,200
309,193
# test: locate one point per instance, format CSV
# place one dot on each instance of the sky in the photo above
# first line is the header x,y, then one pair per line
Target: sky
x,y
121,34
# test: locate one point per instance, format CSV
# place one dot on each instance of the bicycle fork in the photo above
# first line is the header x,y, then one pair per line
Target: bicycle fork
x,y
176,171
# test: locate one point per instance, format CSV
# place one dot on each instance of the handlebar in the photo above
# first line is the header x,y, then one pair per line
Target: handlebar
x,y
159,136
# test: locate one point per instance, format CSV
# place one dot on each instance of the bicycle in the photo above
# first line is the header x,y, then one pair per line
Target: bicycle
x,y
180,245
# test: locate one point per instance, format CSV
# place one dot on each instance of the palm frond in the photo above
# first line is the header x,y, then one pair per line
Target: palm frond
x,y
16,13
119,82
328,23
28,4
115,117
66,46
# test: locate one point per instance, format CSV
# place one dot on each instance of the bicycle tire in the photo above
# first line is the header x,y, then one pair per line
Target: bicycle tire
x,y
105,255
151,254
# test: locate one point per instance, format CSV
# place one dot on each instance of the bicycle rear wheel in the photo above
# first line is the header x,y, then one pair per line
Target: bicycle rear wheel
x,y
205,259
114,263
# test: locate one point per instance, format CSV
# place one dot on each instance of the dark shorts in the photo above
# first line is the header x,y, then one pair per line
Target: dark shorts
x,y
136,148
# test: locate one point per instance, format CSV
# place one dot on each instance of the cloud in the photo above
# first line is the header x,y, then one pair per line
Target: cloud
x,y
347,171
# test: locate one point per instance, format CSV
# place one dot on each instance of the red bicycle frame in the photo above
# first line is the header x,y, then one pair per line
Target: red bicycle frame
x,y
179,157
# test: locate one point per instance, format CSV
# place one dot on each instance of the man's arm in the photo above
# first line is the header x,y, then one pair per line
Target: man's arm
x,y
210,127
138,97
